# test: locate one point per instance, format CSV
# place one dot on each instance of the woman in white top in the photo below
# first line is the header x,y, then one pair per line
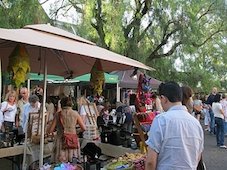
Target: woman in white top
x,y
224,106
219,120
8,111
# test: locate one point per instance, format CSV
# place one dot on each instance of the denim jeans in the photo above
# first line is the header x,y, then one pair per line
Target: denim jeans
x,y
225,124
220,131
212,121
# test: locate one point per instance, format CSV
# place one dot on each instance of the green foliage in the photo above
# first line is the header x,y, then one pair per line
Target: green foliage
x,y
158,33
18,13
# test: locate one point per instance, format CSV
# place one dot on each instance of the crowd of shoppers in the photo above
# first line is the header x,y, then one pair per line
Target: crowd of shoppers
x,y
175,136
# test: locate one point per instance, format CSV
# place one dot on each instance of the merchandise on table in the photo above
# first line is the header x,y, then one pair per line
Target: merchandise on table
x,y
128,161
67,166
118,165
91,132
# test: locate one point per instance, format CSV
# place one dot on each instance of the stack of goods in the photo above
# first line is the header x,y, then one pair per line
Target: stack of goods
x,y
143,97
6,139
128,161
137,159
91,132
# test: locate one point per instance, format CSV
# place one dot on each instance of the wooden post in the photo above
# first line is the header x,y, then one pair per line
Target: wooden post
x,y
43,115
1,80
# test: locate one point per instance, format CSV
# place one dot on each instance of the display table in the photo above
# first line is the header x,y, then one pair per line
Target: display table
x,y
11,151
32,151
110,150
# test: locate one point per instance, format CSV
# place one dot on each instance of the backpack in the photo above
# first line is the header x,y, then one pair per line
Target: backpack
x,y
92,151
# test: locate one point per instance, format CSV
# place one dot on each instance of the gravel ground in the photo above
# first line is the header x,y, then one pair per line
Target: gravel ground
x,y
214,157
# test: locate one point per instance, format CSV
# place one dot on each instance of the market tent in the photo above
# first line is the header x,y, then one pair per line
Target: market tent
x,y
112,79
34,77
126,80
67,55
39,77
109,78
58,52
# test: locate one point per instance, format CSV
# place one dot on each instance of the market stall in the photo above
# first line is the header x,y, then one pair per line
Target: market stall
x,y
58,52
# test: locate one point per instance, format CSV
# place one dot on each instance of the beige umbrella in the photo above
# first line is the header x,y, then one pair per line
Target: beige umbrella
x,y
64,54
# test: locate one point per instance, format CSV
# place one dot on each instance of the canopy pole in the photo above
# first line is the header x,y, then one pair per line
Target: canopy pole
x,y
118,93
43,115
29,85
1,80
78,91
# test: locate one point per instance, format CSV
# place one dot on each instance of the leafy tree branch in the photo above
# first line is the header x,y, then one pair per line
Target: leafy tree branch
x,y
220,29
41,3
76,6
206,12
165,38
99,24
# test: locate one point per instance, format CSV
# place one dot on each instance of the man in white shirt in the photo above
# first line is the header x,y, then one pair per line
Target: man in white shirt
x,y
175,138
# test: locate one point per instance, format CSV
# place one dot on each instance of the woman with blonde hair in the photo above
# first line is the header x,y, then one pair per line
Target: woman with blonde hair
x,y
8,111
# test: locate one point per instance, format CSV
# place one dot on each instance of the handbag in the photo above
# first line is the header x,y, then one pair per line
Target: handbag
x,y
69,140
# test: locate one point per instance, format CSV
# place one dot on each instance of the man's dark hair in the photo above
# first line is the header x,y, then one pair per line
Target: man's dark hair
x,y
217,97
171,90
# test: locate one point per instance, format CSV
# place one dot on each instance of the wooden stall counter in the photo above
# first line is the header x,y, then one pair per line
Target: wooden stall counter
x,y
32,151
11,151
109,149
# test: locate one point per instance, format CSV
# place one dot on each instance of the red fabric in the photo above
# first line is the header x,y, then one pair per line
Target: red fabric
x,y
151,116
70,141
142,109
146,118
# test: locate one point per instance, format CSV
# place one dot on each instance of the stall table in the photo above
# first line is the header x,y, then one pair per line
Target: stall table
x,y
109,149
18,150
